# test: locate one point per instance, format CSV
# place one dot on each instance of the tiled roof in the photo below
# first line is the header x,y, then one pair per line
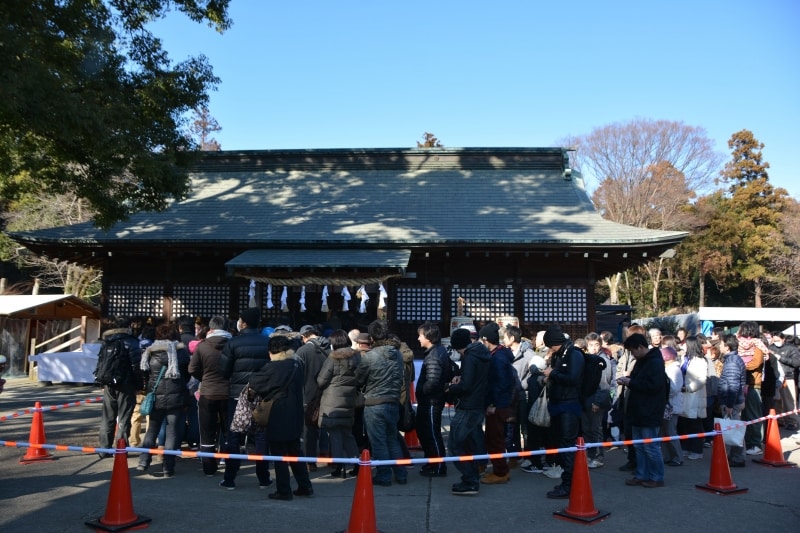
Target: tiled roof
x,y
374,198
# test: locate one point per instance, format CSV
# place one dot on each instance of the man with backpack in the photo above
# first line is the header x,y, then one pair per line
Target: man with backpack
x,y
563,379
118,373
434,375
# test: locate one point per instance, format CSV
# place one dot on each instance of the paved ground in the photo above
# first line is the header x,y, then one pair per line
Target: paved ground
x,y
62,495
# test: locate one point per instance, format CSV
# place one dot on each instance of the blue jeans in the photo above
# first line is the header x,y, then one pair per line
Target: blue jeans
x,y
381,423
466,438
649,462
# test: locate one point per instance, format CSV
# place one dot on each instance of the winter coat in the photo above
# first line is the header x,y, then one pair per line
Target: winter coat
x,y
282,381
673,371
602,396
732,381
136,382
204,365
337,381
430,386
472,389
648,391
522,361
564,382
171,394
241,356
380,374
789,357
694,384
502,378
312,354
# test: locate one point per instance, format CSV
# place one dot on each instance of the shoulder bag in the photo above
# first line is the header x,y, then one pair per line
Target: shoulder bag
x,y
539,415
149,401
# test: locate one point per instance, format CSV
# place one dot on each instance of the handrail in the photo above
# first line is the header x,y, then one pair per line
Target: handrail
x,y
48,341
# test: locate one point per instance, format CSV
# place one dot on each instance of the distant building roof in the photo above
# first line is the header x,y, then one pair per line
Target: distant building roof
x,y
375,198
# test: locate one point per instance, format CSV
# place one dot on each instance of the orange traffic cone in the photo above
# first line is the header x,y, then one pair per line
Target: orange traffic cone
x,y
362,513
119,508
581,502
720,481
773,453
37,437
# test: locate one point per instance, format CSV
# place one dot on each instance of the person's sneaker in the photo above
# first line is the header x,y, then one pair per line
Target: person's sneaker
x,y
735,464
755,450
649,484
707,444
263,486
524,463
227,485
559,493
674,462
628,467
168,474
142,468
694,456
532,469
279,496
494,479
595,463
554,472
465,489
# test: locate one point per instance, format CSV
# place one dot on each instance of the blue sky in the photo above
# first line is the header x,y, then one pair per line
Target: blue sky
x,y
364,74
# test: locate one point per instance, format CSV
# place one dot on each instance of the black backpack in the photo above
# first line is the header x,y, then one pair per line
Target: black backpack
x,y
593,367
113,365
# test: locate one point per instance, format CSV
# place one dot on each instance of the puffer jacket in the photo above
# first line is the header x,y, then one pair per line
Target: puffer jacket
x,y
430,387
789,357
241,356
732,381
204,366
337,381
564,382
472,389
380,374
171,394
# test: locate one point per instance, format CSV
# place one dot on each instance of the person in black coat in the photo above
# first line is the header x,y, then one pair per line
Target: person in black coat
x,y
241,357
645,410
168,359
281,380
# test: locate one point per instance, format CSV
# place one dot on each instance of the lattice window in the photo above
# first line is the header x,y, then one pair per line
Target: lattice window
x,y
419,303
483,303
546,305
200,300
136,300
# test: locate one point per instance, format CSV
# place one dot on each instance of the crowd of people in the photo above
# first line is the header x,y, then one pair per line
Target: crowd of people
x,y
224,387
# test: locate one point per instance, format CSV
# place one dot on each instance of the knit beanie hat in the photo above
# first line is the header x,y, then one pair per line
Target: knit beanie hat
x,y
554,337
490,332
459,339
